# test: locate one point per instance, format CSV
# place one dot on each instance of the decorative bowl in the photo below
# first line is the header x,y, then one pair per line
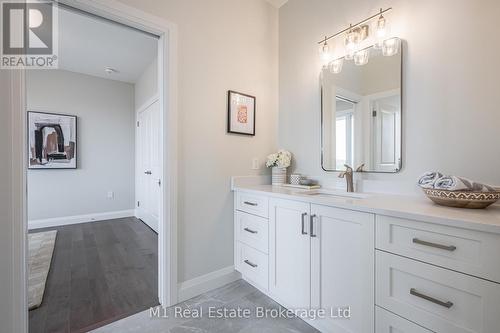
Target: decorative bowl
x,y
462,199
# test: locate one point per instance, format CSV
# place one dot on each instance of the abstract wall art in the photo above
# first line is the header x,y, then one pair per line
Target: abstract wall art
x,y
52,141
240,113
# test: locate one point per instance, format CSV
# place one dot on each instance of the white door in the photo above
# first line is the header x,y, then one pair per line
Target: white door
x,y
342,264
149,165
387,123
289,253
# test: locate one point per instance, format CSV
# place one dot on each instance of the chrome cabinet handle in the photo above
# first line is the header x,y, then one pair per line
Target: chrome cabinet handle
x,y
450,248
311,225
250,203
250,231
148,172
303,223
447,304
251,264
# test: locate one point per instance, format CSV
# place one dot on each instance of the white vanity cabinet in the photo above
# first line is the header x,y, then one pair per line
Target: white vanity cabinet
x,y
322,258
395,271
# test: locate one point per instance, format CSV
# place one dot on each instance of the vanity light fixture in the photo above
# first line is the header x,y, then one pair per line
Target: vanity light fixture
x,y
354,35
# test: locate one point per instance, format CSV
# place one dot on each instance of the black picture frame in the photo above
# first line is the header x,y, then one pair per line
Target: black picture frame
x,y
230,94
75,118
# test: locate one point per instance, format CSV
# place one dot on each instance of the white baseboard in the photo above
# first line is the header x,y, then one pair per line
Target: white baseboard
x,y
201,284
66,220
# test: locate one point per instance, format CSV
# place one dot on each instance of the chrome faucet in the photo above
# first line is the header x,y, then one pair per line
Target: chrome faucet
x,y
348,175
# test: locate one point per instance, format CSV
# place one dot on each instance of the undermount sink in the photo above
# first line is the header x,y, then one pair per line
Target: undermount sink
x,y
327,193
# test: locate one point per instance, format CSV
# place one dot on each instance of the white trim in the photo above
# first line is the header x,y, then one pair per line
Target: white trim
x,y
201,284
19,202
75,219
146,104
167,243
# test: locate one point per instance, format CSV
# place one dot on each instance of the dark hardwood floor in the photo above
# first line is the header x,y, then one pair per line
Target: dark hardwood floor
x,y
100,272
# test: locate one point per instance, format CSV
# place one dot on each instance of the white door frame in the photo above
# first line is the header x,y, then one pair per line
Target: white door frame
x,y
167,93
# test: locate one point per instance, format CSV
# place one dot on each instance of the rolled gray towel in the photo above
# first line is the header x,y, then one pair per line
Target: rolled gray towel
x,y
428,179
454,183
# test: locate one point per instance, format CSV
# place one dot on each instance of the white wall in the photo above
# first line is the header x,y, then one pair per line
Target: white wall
x,y
450,85
106,139
6,216
223,44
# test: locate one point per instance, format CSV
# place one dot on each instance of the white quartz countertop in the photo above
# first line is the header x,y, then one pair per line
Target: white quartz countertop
x,y
402,206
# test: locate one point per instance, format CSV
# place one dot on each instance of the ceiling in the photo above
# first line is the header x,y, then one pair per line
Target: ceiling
x,y
88,45
277,3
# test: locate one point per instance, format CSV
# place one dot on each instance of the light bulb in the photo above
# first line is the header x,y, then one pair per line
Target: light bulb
x,y
361,57
381,31
324,52
391,46
336,65
351,44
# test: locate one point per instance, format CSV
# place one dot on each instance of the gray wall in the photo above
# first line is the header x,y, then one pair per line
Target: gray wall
x,y
450,85
106,139
223,44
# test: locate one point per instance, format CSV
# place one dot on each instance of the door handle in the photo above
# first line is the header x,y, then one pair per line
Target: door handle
x,y
311,225
450,248
415,293
250,231
251,264
303,223
148,172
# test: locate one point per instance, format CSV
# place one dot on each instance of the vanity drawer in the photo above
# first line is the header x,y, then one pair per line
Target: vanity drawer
x,y
388,322
252,203
467,251
253,265
439,299
252,230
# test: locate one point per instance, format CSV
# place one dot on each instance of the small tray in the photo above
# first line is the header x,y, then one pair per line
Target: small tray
x,y
462,199
305,187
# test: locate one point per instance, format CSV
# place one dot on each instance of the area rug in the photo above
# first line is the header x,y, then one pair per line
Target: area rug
x,y
41,248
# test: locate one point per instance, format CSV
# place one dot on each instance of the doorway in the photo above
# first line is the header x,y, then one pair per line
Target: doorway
x,y
167,101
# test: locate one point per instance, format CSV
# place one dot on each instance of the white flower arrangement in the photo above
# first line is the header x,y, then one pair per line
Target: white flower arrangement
x,y
281,159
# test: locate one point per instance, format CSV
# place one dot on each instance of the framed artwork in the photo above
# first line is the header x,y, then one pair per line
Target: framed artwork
x,y
51,141
240,113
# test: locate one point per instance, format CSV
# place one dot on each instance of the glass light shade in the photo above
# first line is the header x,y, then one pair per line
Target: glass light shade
x,y
351,44
391,46
361,57
336,66
324,52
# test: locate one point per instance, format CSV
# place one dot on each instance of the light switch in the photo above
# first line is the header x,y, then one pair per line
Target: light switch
x,y
111,194
255,164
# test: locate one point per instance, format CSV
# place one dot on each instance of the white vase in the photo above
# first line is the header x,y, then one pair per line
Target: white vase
x,y
278,176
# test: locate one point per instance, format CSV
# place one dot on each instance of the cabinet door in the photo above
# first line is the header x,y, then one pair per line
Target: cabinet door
x,y
343,251
289,253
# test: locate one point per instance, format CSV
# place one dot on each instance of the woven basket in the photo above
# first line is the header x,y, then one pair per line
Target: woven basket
x,y
462,199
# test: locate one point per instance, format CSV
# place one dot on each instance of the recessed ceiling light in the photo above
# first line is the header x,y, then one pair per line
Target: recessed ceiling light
x,y
110,70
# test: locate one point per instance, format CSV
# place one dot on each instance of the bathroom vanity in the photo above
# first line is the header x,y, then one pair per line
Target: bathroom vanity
x,y
400,264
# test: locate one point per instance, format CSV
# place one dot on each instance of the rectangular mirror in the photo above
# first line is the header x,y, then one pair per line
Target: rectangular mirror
x,y
361,114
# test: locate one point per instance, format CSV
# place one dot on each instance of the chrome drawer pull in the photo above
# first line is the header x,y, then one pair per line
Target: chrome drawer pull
x,y
250,231
414,292
250,203
249,263
450,248
311,222
303,223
